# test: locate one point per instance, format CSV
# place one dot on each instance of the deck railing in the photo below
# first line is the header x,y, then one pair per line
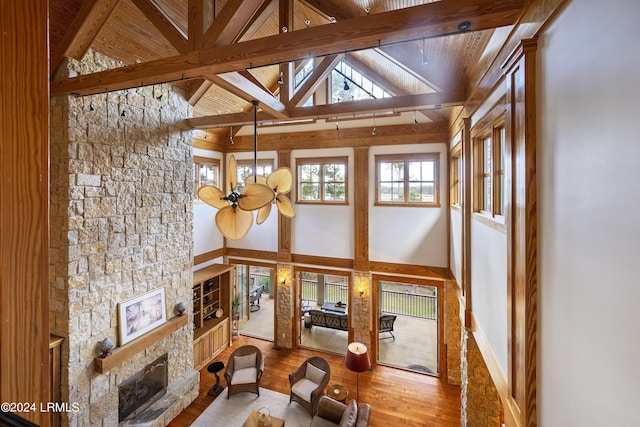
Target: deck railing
x,y
392,302
257,279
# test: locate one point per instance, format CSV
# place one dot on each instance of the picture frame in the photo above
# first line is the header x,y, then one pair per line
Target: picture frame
x,y
141,314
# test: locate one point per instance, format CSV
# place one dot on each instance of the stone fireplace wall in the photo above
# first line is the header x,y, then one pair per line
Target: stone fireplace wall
x,y
120,225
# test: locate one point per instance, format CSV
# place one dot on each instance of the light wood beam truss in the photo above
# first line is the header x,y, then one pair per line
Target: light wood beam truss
x,y
83,30
429,20
164,24
344,109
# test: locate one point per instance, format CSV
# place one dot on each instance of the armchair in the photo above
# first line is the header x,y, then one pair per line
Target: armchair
x,y
333,413
244,370
308,383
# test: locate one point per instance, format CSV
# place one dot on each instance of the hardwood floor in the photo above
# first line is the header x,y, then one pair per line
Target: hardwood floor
x,y
397,397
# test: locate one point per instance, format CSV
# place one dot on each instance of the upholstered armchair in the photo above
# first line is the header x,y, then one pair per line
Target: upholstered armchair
x,y
244,370
308,383
333,413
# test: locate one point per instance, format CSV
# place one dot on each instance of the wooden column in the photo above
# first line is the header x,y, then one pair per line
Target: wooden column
x,y
284,223
467,212
285,19
521,219
361,209
24,200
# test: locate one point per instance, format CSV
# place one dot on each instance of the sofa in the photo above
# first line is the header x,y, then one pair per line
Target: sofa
x,y
333,413
329,320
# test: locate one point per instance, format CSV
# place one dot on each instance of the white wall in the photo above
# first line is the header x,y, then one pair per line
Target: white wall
x,y
324,230
455,244
489,287
589,216
404,234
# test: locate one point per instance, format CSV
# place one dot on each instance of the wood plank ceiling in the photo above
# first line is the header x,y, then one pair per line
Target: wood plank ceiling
x,y
224,53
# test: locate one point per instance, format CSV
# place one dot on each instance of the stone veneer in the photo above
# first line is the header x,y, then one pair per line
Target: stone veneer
x,y
120,225
480,400
453,327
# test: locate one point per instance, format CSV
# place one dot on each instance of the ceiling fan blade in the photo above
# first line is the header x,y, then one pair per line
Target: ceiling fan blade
x,y
284,206
232,174
263,213
280,180
255,196
212,196
234,224
259,180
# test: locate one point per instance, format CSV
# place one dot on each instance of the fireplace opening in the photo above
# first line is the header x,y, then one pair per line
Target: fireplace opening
x,y
145,387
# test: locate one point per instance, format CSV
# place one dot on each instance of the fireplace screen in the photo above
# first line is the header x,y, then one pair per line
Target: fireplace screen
x,y
140,391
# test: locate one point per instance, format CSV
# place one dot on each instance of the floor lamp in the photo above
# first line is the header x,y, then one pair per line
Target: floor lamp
x,y
357,360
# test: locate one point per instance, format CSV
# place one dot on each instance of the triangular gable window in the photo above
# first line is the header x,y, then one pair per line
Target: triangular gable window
x,y
347,84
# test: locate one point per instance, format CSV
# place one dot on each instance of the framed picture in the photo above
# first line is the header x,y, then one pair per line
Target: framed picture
x,y
141,314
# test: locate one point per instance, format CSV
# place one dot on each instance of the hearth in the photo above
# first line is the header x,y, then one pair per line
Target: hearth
x,y
140,391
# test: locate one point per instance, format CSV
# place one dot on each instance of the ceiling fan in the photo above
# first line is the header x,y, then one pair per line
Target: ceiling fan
x,y
234,216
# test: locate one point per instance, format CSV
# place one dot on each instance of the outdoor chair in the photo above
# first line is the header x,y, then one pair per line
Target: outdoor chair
x,y
244,370
254,298
386,325
308,383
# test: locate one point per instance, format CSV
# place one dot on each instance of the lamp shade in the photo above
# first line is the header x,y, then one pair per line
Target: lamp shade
x,y
357,358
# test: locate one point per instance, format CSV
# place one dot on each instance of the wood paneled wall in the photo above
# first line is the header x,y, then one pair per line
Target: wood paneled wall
x,y
24,196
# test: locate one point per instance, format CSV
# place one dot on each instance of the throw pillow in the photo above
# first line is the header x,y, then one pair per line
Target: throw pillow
x,y
314,374
350,415
242,362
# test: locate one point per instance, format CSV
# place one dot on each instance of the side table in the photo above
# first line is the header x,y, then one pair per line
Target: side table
x,y
214,368
338,392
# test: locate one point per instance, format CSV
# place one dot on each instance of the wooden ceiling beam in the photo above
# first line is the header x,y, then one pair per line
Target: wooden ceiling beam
x,y
320,72
429,20
327,9
342,109
197,90
164,24
247,90
83,30
231,22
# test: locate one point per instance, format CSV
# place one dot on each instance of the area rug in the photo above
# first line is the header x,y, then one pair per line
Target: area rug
x,y
234,411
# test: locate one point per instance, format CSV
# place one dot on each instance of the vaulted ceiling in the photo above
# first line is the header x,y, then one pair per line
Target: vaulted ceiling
x,y
226,53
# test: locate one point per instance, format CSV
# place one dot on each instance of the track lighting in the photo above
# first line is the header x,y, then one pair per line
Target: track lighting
x,y
367,10
346,85
332,19
231,136
374,132
307,23
285,29
280,79
415,121
425,61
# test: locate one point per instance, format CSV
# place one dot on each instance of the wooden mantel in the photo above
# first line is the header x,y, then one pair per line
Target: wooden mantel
x,y
126,352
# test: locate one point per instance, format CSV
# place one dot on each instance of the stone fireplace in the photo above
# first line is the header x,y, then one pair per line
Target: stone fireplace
x,y
143,389
120,226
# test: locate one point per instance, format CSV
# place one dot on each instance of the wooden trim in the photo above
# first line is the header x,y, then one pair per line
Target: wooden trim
x,y
467,210
521,220
250,254
497,223
252,263
24,205
122,354
206,161
208,256
343,263
361,209
284,223
440,273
